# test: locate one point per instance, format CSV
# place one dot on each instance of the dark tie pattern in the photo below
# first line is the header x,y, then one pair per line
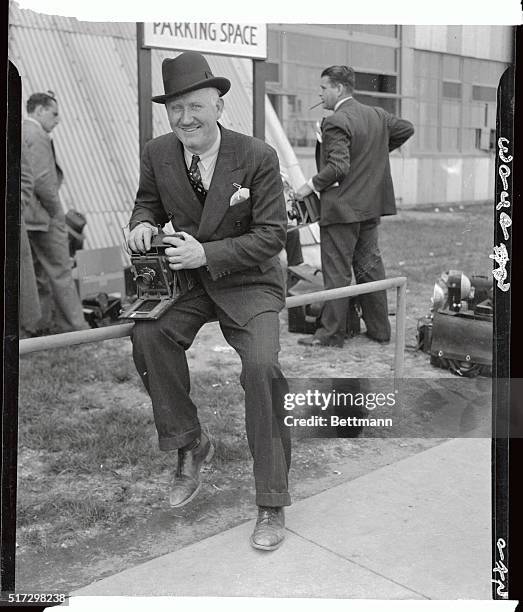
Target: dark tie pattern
x,y
195,178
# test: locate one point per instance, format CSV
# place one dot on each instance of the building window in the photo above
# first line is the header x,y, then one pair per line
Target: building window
x,y
294,104
389,104
304,51
366,81
485,139
451,90
484,94
369,86
455,113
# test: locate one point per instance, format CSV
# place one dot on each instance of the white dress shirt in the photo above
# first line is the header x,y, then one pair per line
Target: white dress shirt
x,y
340,102
207,161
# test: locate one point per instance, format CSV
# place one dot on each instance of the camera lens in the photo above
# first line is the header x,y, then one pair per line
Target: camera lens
x,y
145,278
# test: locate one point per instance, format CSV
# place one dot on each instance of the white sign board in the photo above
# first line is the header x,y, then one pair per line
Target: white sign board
x,y
239,39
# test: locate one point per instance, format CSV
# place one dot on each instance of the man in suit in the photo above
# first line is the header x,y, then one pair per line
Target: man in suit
x,y
355,188
223,194
45,220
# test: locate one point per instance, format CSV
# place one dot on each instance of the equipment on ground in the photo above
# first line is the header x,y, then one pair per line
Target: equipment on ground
x,y
101,310
305,319
75,223
457,334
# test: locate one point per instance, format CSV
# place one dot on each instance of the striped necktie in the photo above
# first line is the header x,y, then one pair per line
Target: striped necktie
x,y
195,178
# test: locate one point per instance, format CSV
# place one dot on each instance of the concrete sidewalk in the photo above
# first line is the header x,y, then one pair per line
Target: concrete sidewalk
x,y
416,529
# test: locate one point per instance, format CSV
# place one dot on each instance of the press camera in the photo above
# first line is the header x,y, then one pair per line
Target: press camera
x,y
299,212
303,212
157,286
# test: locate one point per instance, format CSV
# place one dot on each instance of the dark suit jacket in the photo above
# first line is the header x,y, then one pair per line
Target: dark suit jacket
x,y
44,201
243,275
356,140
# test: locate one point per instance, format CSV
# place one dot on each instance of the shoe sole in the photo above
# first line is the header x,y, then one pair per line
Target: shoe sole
x,y
261,547
207,459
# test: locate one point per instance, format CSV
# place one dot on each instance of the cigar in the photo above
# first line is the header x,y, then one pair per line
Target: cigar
x,y
321,102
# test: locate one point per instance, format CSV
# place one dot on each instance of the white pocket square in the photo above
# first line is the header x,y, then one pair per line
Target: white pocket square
x,y
239,196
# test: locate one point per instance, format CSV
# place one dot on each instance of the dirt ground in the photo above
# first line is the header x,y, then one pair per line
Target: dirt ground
x,y
227,495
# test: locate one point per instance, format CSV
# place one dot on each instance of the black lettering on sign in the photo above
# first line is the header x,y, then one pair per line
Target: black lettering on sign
x,y
206,31
166,26
237,34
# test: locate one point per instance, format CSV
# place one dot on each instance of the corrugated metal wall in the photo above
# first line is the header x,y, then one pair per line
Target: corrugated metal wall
x,y
92,69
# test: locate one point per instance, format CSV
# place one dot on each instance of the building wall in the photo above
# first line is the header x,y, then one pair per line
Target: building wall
x,y
302,51
442,78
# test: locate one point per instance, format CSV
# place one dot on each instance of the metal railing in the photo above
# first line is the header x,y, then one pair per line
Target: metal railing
x,y
31,345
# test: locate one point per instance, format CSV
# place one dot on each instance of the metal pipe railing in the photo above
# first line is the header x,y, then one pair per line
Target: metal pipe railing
x,y
44,343
31,345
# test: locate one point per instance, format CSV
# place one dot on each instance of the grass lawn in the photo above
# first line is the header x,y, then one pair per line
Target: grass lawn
x,y
91,478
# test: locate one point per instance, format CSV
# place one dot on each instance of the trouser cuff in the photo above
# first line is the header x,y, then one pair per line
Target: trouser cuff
x,y
179,441
274,500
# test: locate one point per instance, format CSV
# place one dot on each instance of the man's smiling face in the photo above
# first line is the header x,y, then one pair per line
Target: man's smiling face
x,y
193,118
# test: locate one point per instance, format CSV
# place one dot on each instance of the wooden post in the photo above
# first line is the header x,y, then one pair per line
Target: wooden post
x,y
145,108
261,71
258,99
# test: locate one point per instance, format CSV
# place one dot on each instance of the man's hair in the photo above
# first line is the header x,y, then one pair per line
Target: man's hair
x,y
342,75
175,96
40,99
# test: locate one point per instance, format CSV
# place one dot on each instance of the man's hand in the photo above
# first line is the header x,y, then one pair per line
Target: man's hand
x,y
186,253
140,237
303,191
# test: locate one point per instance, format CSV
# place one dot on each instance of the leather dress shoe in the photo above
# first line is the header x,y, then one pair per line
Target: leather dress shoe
x,y
269,531
312,341
187,478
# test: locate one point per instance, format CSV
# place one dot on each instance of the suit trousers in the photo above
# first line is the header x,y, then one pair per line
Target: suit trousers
x,y
345,246
56,286
29,306
159,355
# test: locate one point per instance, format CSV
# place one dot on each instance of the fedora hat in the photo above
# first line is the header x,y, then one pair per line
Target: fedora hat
x,y
187,72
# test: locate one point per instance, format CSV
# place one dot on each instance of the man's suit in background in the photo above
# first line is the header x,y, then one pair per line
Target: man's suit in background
x,y
29,303
355,186
45,220
241,286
